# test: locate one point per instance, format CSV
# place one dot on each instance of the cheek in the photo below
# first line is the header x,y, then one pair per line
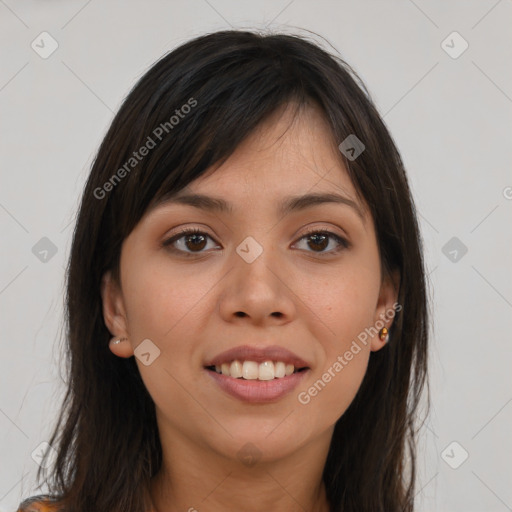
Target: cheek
x,y
167,306
163,302
328,394
342,298
343,304
347,312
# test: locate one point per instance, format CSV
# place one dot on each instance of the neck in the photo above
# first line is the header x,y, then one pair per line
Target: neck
x,y
198,479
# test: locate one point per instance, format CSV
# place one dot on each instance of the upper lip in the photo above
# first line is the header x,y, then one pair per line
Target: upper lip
x,y
258,355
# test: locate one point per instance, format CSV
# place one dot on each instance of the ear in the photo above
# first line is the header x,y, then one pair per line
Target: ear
x,y
114,315
386,306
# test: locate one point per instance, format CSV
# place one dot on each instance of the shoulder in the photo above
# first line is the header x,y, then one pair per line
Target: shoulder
x,y
42,503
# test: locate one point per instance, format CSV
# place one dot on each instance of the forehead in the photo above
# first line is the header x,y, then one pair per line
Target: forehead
x,y
290,160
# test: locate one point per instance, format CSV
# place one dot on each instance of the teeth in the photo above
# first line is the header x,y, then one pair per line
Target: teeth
x,y
266,370
235,369
250,370
279,369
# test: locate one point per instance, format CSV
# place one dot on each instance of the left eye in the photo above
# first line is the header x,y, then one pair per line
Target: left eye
x,y
193,239
319,238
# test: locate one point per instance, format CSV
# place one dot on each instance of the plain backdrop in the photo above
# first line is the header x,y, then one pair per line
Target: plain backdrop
x,y
440,75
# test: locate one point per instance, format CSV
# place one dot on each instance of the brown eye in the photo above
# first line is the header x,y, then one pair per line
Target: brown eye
x,y
318,241
191,241
196,242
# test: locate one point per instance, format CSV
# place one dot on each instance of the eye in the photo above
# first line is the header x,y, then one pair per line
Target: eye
x,y
193,239
320,240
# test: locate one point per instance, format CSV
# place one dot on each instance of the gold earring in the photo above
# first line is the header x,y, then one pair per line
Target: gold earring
x,y
384,335
116,341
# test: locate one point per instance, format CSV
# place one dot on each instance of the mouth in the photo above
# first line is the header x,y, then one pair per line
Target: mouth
x,y
257,374
251,362
253,389
252,370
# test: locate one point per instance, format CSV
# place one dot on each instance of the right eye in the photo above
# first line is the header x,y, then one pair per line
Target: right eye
x,y
189,238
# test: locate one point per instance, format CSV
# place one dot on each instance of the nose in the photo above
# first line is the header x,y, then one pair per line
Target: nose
x,y
257,291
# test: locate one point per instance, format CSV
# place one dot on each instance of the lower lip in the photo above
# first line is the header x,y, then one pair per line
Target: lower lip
x,y
258,391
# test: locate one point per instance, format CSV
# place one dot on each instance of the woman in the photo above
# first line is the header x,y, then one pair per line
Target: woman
x,y
247,314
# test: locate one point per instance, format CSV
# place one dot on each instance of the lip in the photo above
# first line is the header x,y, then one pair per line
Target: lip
x,y
258,391
258,355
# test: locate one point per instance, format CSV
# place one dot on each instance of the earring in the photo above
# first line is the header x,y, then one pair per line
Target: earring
x,y
384,335
116,341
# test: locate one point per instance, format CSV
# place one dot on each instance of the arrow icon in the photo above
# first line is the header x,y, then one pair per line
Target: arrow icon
x,y
44,250
249,252
352,147
44,45
44,455
249,454
454,249
147,352
454,45
454,455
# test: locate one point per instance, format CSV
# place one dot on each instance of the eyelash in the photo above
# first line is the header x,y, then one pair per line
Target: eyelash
x,y
343,244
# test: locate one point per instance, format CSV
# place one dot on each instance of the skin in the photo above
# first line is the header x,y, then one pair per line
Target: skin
x,y
189,308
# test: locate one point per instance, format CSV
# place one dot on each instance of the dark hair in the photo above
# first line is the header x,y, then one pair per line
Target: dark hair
x,y
196,105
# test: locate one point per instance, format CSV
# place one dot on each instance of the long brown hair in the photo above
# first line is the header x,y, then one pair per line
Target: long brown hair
x,y
106,436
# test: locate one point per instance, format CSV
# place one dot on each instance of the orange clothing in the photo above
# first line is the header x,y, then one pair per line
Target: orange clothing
x,y
42,503
39,504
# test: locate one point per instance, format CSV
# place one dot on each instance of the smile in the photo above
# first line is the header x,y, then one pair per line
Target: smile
x,y
251,370
254,390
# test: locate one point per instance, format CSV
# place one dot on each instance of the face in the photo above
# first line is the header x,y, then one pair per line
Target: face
x,y
306,279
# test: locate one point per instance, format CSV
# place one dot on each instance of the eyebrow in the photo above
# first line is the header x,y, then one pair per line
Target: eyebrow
x,y
288,205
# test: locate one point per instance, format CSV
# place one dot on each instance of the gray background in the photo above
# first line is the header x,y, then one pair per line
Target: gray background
x,y
451,119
